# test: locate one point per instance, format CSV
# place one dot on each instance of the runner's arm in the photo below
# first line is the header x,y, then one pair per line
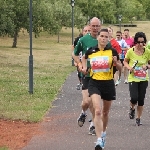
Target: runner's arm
x,y
116,59
75,54
126,62
84,64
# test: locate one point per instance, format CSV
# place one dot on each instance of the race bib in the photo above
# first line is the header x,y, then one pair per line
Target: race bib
x,y
100,64
121,55
140,73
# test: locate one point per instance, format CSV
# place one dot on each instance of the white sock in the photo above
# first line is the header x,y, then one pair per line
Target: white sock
x,y
92,124
83,112
104,133
99,139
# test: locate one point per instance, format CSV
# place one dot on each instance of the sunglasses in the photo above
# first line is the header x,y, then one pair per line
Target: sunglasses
x,y
117,35
138,42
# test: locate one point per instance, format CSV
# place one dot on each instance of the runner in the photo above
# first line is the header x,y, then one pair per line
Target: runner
x,y
124,48
85,30
117,47
137,60
101,85
130,42
83,45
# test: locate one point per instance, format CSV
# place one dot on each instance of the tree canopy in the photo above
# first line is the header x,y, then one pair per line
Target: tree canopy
x,y
52,15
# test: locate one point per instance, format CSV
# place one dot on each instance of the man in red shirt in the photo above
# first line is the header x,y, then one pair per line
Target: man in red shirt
x,y
116,46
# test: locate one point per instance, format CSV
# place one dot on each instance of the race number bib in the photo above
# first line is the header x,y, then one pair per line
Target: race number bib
x,y
122,55
140,73
100,64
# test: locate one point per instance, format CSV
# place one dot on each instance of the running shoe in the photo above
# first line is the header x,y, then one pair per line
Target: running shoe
x,y
103,140
138,121
81,119
132,113
126,81
98,145
92,130
78,86
117,82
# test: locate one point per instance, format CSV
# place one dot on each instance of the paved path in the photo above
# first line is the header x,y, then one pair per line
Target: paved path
x,y
61,132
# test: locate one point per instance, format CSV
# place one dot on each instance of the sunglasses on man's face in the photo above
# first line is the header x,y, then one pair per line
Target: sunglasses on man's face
x,y
138,42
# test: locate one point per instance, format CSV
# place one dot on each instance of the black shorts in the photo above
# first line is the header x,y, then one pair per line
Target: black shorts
x,y
85,82
79,73
122,61
104,88
138,91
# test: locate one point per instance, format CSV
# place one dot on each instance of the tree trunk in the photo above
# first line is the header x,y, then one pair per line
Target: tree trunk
x,y
15,39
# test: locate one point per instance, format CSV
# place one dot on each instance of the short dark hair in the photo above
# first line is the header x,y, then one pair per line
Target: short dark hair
x,y
119,32
103,30
126,29
139,35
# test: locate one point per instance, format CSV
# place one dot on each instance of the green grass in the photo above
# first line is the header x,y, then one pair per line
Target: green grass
x,y
52,65
3,148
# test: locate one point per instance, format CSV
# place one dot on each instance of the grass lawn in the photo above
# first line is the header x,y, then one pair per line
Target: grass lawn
x,y
52,65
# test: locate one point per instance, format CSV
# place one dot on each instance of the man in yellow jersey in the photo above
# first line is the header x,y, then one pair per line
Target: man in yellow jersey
x,y
101,85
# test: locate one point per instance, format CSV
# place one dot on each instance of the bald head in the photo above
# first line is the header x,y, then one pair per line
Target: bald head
x,y
95,19
95,26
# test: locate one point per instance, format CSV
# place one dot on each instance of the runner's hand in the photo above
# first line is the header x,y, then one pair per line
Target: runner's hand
x,y
115,59
80,67
131,69
84,71
144,67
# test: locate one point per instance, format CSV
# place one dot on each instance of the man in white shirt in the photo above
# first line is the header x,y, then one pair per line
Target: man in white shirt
x,y
124,48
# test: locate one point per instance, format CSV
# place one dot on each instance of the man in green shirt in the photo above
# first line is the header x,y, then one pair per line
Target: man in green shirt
x,y
84,43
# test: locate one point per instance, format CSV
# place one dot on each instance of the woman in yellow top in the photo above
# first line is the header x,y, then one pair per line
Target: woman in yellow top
x,y
101,84
137,61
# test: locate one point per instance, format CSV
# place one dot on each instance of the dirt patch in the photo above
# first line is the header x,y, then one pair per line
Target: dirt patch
x,y
16,134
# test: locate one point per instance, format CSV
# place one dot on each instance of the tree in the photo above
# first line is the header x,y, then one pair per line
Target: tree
x,y
135,9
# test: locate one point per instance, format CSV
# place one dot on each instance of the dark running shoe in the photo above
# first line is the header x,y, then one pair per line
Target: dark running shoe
x,y
78,86
98,145
138,122
132,113
81,119
92,130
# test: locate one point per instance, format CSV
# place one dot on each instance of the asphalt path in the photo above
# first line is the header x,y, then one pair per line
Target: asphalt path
x,y
61,132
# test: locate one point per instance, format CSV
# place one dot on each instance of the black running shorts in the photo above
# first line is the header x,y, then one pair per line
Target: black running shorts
x,y
85,82
122,61
104,88
138,91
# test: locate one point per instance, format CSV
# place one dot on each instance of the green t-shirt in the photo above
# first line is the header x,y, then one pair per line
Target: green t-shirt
x,y
84,44
139,74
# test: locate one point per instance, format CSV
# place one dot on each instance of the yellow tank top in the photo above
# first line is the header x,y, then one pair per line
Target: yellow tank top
x,y
101,65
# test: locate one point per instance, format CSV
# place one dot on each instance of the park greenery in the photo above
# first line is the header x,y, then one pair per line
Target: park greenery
x,y
52,15
52,65
52,60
